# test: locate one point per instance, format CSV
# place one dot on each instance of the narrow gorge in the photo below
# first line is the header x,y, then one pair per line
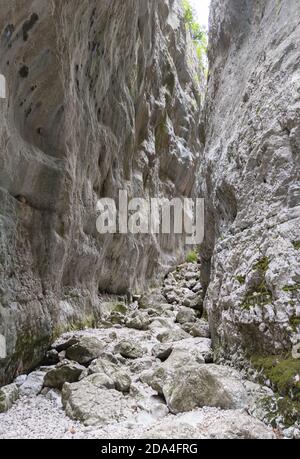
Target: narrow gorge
x,y
134,336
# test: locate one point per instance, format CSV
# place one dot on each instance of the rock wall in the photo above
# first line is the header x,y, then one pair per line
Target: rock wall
x,y
102,95
250,174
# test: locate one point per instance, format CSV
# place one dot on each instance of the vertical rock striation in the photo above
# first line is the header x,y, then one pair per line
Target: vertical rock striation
x,y
250,174
102,95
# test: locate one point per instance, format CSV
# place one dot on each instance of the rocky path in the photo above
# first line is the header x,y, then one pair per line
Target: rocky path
x,y
148,372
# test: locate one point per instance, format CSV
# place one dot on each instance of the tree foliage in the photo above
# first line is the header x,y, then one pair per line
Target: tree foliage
x,y
198,33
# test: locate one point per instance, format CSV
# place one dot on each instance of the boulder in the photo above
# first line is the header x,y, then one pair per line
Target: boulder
x,y
185,353
200,329
156,377
8,395
63,342
116,318
129,349
63,372
211,424
162,323
152,300
119,377
122,381
90,402
33,384
197,288
20,380
172,335
194,302
196,386
52,357
162,351
85,350
185,315
139,365
138,320
172,297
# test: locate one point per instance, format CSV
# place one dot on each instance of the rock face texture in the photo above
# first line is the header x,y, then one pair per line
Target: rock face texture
x,y
102,96
250,174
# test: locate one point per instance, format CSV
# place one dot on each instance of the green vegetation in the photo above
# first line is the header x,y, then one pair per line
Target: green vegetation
x,y
241,279
198,33
287,408
282,371
291,288
296,245
161,135
80,324
120,308
262,265
260,295
192,257
294,322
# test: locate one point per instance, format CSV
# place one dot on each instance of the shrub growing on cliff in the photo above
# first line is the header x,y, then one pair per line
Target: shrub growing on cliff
x,y
192,257
198,33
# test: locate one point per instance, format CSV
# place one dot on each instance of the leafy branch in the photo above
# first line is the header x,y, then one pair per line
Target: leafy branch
x,y
198,33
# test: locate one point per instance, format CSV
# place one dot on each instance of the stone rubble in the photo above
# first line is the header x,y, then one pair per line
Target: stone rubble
x,y
130,383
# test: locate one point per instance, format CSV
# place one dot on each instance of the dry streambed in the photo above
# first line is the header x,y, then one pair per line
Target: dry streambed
x,y
147,373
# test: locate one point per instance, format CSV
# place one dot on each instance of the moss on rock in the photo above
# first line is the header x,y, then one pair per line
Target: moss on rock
x,y
282,371
260,296
282,409
262,265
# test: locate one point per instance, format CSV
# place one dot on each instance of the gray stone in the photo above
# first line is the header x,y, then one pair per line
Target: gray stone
x,y
52,357
20,380
62,343
139,320
200,329
33,384
8,395
171,336
122,381
63,372
85,350
162,351
194,303
222,425
129,349
185,315
91,403
204,385
185,354
119,377
139,365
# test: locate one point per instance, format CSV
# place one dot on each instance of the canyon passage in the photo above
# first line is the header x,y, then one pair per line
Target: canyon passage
x,y
141,335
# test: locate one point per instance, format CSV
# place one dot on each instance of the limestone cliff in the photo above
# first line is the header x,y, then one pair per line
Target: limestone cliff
x,y
250,174
102,95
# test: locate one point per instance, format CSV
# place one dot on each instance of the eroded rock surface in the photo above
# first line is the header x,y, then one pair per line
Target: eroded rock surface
x,y
250,174
102,96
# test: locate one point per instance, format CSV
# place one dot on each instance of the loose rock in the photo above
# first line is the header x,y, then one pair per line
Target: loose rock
x,y
85,350
129,349
8,395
